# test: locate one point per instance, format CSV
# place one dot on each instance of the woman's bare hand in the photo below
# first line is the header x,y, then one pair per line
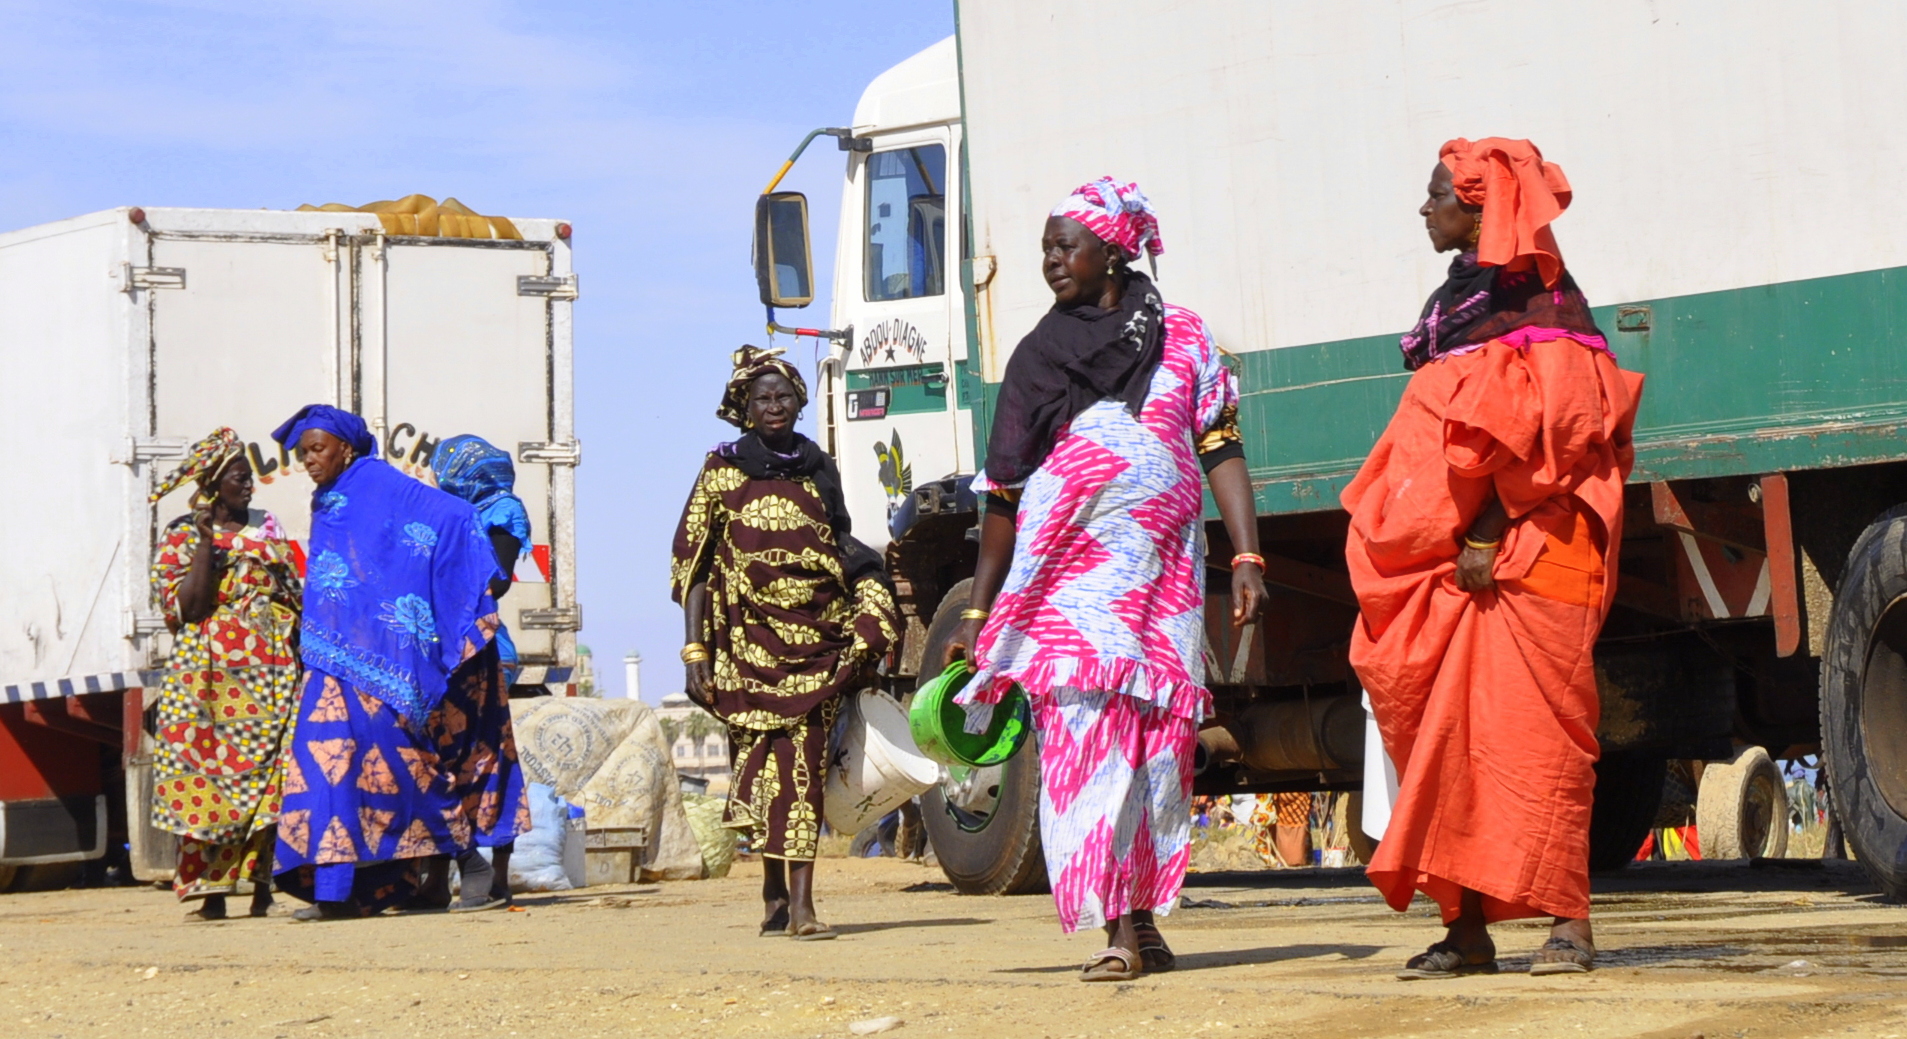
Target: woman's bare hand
x,y
700,685
1476,568
1248,594
960,646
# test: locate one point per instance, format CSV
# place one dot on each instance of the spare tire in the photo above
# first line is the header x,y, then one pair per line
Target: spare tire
x,y
1864,701
1741,809
983,824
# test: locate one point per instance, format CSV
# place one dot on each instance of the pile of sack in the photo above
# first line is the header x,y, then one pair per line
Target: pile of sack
x,y
610,759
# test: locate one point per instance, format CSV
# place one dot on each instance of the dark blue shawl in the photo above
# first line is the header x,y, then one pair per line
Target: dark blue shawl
x,y
397,586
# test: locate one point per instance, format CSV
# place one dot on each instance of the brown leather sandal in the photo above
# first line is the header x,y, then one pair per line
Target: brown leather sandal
x,y
1562,956
1153,952
1444,960
1102,966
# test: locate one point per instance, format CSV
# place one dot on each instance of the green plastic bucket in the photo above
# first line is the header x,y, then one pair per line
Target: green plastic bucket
x,y
939,724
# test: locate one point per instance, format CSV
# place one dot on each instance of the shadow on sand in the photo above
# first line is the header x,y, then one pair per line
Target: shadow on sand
x,y
1235,957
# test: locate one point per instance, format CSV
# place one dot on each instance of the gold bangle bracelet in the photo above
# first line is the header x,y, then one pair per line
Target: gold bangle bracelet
x,y
1481,546
694,652
974,615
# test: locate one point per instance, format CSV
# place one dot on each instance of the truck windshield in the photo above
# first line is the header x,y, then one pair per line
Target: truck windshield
x,y
906,223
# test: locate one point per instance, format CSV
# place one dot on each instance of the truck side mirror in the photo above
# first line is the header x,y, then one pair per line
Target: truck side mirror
x,y
783,269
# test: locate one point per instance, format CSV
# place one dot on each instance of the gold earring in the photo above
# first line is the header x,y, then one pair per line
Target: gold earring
x,y
1476,230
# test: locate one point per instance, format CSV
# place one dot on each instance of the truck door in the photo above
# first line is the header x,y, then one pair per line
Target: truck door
x,y
898,422
245,331
467,348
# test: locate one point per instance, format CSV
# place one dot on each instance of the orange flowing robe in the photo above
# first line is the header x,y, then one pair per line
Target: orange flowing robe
x,y
1487,702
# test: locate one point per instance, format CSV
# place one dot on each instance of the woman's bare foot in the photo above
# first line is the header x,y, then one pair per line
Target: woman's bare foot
x,y
1153,951
1121,960
213,908
1571,949
774,920
1466,947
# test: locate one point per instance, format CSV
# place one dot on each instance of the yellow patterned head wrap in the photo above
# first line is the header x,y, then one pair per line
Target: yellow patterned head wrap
x,y
751,363
203,463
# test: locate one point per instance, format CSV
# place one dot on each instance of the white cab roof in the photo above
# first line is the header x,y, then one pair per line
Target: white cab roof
x,y
922,90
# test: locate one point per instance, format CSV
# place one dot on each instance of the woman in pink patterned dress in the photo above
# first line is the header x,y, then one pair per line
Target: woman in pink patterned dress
x,y
1090,589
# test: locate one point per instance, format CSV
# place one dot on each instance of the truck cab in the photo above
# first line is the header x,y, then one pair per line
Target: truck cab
x,y
891,413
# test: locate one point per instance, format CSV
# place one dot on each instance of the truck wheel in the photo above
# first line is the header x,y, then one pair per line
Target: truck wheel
x,y
1628,793
46,876
983,824
1864,701
1741,810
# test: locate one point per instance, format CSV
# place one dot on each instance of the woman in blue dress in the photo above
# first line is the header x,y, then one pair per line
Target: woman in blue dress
x,y
402,749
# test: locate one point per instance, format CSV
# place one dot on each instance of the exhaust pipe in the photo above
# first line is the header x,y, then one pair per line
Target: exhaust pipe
x,y
1288,736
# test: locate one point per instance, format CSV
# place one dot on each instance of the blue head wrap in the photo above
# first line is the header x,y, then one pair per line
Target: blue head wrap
x,y
335,421
481,473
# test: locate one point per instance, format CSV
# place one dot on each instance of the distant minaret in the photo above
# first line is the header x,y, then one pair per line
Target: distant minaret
x,y
632,675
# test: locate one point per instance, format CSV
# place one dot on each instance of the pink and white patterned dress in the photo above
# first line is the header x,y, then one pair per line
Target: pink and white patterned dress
x,y
1101,621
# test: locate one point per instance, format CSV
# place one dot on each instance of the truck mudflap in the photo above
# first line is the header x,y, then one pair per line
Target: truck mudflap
x,y
52,829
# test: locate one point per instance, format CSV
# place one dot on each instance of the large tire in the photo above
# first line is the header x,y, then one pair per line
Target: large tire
x,y
995,851
1741,810
1864,702
1628,792
46,876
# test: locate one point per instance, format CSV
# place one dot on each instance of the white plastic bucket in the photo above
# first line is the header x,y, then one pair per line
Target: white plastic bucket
x,y
1380,778
876,766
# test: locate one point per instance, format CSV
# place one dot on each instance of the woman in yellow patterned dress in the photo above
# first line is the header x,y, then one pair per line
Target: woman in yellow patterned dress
x,y
225,581
785,612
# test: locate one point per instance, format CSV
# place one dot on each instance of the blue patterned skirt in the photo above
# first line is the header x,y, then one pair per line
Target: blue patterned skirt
x,y
367,800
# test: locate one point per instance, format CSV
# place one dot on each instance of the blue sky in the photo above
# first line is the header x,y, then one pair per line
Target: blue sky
x,y
650,126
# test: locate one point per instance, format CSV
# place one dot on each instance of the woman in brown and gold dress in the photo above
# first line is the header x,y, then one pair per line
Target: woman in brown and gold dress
x,y
785,612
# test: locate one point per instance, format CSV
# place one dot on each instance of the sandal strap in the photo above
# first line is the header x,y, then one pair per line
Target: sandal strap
x,y
1441,955
1113,952
1567,945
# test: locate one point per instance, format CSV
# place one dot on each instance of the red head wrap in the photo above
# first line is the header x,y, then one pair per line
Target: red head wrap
x,y
1520,195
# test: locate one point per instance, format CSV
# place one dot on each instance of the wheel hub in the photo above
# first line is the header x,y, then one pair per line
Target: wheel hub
x,y
1883,706
972,796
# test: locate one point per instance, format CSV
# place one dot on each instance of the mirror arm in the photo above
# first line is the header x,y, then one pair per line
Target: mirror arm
x,y
843,136
843,336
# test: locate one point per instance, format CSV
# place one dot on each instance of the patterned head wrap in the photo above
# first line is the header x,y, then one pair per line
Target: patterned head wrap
x,y
335,421
473,469
1119,214
1520,195
751,363
204,463
482,474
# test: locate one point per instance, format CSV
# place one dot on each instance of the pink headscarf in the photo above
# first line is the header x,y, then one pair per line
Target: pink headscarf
x,y
1119,214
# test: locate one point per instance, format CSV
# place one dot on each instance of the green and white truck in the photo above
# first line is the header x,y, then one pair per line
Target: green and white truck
x,y
1737,215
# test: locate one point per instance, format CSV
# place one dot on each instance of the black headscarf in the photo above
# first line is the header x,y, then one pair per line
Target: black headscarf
x,y
1074,358
1478,303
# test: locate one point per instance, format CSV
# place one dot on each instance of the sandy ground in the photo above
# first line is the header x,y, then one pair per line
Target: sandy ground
x,y
1688,949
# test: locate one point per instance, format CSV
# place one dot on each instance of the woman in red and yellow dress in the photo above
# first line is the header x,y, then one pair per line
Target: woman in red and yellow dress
x,y
225,580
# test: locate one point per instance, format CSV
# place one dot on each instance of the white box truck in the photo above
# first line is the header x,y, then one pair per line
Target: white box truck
x,y
125,336
1734,220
